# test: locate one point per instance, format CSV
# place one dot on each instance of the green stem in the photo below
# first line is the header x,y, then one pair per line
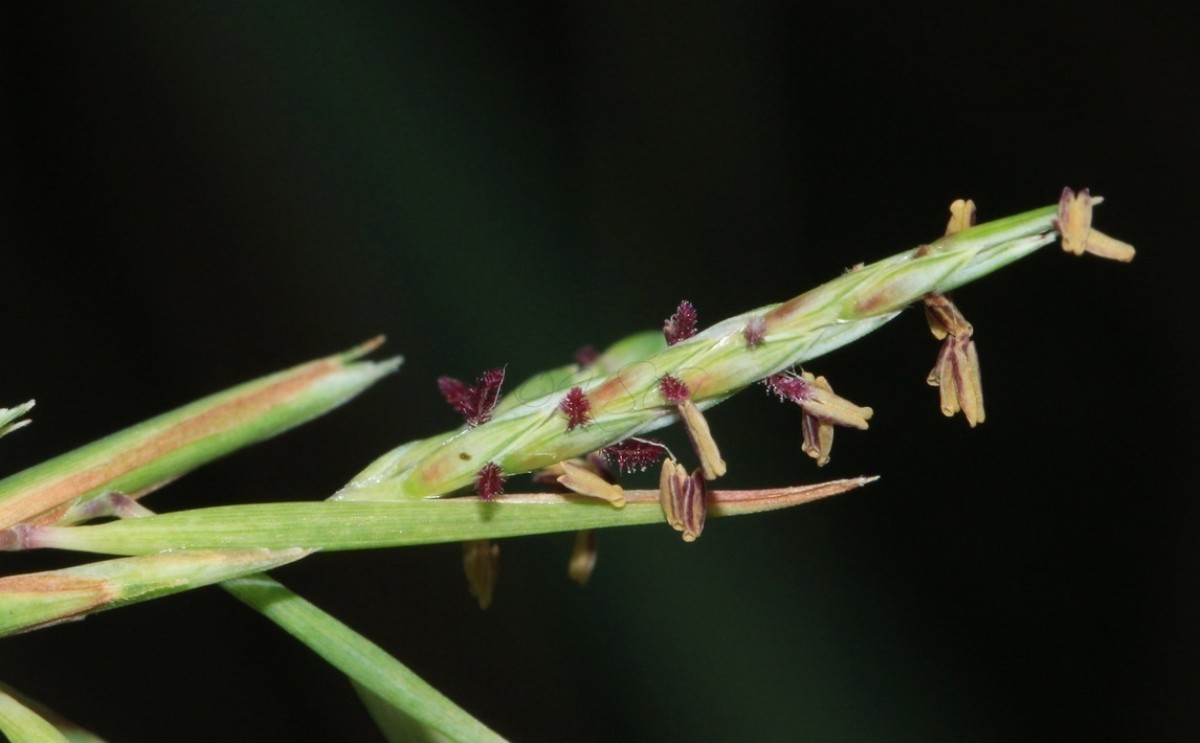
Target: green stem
x,y
36,600
360,659
22,725
346,525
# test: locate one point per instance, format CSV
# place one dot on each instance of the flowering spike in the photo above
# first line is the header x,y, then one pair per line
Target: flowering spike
x,y
681,325
634,455
489,481
642,385
755,331
474,402
674,390
576,407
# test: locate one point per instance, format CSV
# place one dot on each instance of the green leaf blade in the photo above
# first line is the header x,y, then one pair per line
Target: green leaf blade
x,y
348,525
37,600
170,445
367,664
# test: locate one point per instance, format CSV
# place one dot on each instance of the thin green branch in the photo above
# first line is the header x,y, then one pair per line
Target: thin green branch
x,y
37,600
70,730
20,724
347,525
362,660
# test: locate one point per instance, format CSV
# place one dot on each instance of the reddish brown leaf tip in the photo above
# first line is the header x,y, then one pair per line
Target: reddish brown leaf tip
x,y
673,389
755,331
681,325
634,455
367,347
576,407
489,481
474,402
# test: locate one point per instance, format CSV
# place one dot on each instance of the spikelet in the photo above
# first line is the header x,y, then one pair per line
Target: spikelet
x,y
620,394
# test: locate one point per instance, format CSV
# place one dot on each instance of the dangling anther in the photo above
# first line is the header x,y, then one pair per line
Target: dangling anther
x,y
1074,225
676,392
956,373
579,479
684,499
583,557
481,562
823,409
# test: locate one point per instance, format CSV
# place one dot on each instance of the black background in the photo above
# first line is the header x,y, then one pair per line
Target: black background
x,y
197,195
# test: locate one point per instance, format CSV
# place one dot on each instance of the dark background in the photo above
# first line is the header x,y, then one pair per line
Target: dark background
x,y
194,196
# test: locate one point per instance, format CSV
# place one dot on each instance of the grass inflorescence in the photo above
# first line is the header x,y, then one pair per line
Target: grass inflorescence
x,y
576,428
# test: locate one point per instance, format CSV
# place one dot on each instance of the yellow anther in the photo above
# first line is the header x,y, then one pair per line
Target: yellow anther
x,y
1074,225
962,216
481,562
702,439
581,480
583,556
